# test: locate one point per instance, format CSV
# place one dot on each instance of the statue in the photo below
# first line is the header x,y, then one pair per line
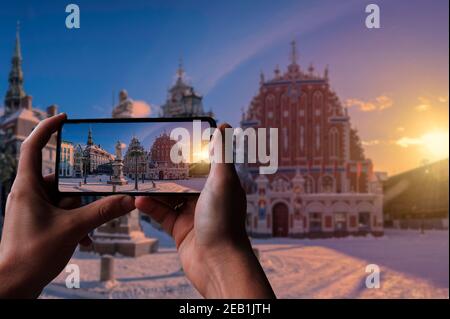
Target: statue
x,y
117,165
125,107
119,150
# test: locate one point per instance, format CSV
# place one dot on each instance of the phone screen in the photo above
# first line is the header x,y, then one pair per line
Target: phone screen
x,y
144,156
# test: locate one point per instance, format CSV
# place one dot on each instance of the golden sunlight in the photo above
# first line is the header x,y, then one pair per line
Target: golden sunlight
x,y
436,144
202,156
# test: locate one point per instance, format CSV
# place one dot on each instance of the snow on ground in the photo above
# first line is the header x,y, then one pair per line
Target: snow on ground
x,y
100,184
412,266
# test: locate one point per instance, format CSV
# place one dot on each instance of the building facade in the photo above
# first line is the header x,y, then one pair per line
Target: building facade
x,y
324,185
66,160
18,121
97,157
183,100
135,160
160,165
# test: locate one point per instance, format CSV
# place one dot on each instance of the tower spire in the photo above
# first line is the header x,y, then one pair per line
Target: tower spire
x,y
326,74
15,92
17,50
90,141
180,70
293,52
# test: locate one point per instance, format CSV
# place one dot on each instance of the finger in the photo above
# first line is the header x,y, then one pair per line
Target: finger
x,y
101,211
218,165
170,201
69,202
55,197
49,189
49,179
31,150
86,241
162,213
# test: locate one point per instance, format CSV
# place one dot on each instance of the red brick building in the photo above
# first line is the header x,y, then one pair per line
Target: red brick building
x,y
161,166
324,184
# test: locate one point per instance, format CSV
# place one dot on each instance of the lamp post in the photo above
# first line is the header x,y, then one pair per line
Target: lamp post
x,y
85,161
135,150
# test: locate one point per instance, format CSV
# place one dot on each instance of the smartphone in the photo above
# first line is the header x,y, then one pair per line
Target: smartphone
x,y
151,156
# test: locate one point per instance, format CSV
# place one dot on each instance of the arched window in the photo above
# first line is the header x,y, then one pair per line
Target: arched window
x,y
317,100
270,101
327,184
309,184
333,142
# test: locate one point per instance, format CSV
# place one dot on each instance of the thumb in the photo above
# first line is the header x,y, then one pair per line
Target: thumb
x,y
218,150
103,210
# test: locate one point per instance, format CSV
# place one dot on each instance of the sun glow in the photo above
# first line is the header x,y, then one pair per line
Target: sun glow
x,y
202,156
435,143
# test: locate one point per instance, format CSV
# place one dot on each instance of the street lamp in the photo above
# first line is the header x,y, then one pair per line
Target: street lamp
x,y
135,150
85,160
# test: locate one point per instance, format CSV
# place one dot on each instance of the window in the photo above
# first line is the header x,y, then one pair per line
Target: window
x,y
340,221
334,142
317,100
364,221
327,184
315,222
309,185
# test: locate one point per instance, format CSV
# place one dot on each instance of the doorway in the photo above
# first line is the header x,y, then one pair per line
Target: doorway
x,y
280,216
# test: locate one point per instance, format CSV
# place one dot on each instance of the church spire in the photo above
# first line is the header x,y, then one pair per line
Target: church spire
x,y
15,92
293,68
293,52
90,142
17,50
180,70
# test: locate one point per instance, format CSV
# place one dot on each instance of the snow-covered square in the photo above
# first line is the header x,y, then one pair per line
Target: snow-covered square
x,y
413,265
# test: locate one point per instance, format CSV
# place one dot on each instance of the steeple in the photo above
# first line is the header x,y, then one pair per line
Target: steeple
x,y
261,78
293,68
293,52
326,73
311,69
15,92
180,71
90,142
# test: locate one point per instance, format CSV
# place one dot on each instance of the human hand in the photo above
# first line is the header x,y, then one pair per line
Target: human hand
x,y
209,232
40,235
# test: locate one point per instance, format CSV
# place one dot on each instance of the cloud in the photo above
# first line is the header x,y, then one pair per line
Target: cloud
x,y
406,142
443,99
141,109
425,104
370,142
380,103
400,129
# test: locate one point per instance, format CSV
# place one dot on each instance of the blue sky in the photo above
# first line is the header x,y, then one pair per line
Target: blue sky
x,y
107,134
136,45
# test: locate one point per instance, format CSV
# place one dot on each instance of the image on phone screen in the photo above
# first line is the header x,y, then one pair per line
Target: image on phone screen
x,y
151,156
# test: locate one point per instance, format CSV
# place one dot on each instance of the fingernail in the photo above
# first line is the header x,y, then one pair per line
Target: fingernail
x,y
127,203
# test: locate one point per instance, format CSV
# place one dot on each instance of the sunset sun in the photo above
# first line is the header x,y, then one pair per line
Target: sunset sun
x,y
436,144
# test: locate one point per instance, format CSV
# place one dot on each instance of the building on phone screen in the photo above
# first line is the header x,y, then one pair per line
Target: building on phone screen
x,y
324,186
